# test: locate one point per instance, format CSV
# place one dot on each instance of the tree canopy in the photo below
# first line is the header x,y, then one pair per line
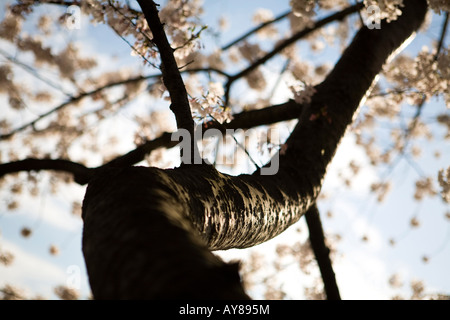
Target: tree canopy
x,y
336,110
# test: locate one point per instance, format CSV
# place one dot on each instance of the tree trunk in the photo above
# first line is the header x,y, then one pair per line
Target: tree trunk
x,y
148,232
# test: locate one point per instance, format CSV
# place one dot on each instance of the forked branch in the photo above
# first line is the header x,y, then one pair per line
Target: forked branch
x,y
171,74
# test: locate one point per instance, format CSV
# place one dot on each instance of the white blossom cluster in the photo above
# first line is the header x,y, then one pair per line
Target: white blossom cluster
x,y
261,16
302,7
425,74
250,52
302,14
424,187
302,92
123,21
444,182
210,105
10,26
388,9
439,5
181,21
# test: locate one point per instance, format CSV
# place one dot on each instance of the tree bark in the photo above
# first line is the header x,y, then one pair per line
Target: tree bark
x,y
322,253
148,232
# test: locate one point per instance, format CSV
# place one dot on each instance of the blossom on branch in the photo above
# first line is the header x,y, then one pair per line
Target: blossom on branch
x,y
303,92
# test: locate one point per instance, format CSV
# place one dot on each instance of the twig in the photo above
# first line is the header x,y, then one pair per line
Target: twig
x,y
171,75
81,173
253,118
33,72
421,104
442,37
286,43
74,99
68,102
322,253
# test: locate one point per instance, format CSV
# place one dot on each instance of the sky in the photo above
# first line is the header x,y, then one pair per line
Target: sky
x,y
362,267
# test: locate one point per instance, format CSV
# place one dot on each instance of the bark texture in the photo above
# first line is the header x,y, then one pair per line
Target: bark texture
x,y
148,232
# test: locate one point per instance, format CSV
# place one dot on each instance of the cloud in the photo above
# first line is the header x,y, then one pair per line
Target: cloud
x,y
30,272
349,151
362,276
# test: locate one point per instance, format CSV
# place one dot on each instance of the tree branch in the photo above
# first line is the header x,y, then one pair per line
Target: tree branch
x,y
322,253
137,155
286,43
442,37
79,97
254,30
171,74
244,120
81,173
254,118
72,100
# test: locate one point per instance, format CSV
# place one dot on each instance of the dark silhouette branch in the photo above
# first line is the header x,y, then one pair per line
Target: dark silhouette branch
x,y
171,75
244,120
81,173
140,152
256,29
254,118
71,101
442,37
322,253
79,97
286,43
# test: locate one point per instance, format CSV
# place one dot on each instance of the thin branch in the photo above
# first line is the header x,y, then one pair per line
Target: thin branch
x,y
254,30
286,43
299,35
33,72
81,173
421,104
134,48
75,99
140,152
194,70
280,77
171,74
244,120
69,102
442,37
171,77
253,118
322,253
